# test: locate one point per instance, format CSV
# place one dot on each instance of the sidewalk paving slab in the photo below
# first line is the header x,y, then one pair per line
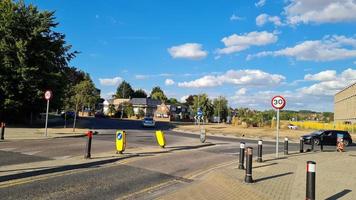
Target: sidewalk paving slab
x,y
277,179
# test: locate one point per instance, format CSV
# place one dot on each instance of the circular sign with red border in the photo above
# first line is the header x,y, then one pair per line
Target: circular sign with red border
x,y
48,95
278,102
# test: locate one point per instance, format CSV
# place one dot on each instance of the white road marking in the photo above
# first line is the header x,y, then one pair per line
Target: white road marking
x,y
30,152
8,149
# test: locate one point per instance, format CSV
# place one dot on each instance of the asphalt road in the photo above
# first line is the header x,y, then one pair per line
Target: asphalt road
x,y
149,171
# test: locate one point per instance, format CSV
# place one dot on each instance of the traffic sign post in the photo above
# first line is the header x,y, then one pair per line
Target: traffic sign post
x,y
278,102
48,96
199,116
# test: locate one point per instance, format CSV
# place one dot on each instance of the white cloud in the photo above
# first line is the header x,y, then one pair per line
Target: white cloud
x,y
317,96
148,76
235,18
236,43
192,51
328,49
183,98
241,91
295,100
260,3
264,18
141,76
110,81
236,77
169,82
326,75
206,81
320,11
329,83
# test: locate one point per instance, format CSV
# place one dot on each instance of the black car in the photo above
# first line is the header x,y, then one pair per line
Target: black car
x,y
329,137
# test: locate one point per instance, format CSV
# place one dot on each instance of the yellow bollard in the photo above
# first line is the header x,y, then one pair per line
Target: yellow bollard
x,y
160,138
120,141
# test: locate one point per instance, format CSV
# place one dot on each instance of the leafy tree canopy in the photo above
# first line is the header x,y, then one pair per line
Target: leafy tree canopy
x,y
172,101
156,89
33,59
124,90
157,93
139,94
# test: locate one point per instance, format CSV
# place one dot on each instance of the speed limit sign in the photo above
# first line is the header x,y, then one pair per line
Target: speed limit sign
x,y
278,102
48,95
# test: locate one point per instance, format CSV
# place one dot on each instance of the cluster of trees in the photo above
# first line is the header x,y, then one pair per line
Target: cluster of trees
x,y
219,107
124,90
262,118
211,108
34,58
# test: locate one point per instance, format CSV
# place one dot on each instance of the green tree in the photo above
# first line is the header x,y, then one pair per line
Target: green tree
x,y
190,100
141,113
124,90
128,110
157,93
33,58
220,107
156,89
172,101
139,94
86,95
328,116
204,103
159,96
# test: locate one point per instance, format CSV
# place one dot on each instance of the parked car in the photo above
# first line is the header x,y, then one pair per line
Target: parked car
x,y
148,122
329,137
293,127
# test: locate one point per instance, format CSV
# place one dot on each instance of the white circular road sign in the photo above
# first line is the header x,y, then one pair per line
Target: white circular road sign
x,y
278,102
48,95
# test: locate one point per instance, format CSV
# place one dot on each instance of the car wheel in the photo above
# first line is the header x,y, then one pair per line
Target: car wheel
x,y
346,142
316,141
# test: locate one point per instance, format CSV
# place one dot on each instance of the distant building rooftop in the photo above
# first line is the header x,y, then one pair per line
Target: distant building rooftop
x,y
145,101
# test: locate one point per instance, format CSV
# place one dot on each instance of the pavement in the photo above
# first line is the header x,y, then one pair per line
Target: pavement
x,y
39,133
283,178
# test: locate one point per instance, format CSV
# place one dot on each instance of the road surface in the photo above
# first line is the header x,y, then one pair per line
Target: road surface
x,y
145,176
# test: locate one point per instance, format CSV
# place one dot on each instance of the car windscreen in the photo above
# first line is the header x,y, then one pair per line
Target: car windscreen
x,y
316,133
148,119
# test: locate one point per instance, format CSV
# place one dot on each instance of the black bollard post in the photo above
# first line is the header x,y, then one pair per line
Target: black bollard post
x,y
88,146
248,176
259,151
312,144
301,145
3,130
310,188
242,155
286,146
322,143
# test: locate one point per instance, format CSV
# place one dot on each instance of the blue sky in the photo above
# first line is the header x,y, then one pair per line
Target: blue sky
x,y
247,51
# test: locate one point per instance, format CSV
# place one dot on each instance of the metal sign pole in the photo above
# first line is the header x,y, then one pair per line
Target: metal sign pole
x,y
277,136
47,117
